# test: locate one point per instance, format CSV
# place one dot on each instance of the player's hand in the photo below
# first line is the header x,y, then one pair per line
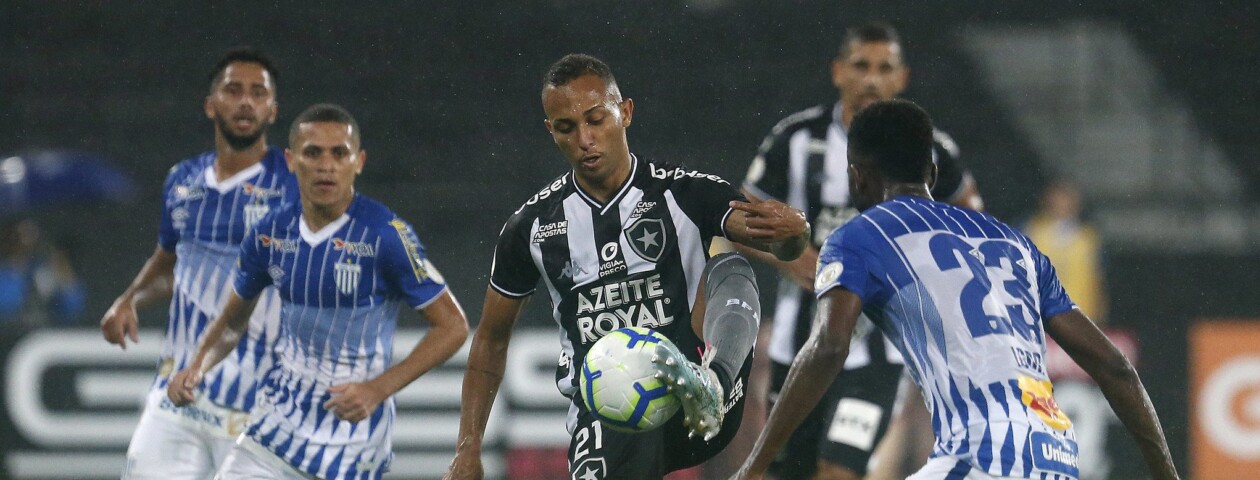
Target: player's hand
x,y
465,467
771,220
182,387
120,322
802,270
354,402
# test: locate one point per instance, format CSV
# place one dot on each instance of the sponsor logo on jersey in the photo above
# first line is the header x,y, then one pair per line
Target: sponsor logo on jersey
x,y
641,208
254,213
260,192
679,172
362,249
1055,454
282,245
545,192
347,277
1038,396
276,272
185,193
550,230
630,303
647,238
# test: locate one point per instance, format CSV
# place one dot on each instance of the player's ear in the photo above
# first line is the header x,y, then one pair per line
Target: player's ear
x,y
547,123
930,174
288,159
903,79
837,71
358,169
208,107
627,112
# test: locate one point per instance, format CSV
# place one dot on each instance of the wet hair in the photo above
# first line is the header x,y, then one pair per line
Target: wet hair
x,y
866,33
575,65
244,54
324,112
895,138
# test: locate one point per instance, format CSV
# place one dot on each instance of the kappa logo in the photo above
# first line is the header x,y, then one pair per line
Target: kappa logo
x,y
571,270
179,218
347,277
647,238
362,249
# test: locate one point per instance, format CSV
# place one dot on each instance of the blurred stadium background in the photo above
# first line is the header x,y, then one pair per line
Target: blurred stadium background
x,y
1150,107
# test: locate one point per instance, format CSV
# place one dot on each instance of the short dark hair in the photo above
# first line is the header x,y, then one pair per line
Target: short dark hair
x,y
868,32
575,65
325,112
243,54
894,136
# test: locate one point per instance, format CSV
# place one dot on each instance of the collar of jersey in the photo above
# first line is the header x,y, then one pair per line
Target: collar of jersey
x,y
233,181
315,238
625,187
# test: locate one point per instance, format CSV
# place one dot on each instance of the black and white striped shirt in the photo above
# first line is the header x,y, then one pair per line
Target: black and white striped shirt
x,y
633,261
804,163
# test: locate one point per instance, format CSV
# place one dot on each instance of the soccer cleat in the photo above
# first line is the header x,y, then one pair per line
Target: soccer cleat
x,y
696,386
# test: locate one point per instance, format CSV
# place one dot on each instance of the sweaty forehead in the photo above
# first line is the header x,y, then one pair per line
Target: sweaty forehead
x,y
325,134
573,99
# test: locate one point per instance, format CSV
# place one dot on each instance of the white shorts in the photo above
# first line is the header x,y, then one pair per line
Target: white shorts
x,y
181,443
940,468
249,460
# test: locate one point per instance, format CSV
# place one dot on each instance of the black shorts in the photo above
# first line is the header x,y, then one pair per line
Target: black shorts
x,y
863,397
598,452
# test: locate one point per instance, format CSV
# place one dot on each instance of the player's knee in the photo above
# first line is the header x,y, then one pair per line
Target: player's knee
x,y
830,471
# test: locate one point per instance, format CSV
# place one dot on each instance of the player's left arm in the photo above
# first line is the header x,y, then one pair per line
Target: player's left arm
x,y
770,226
817,364
411,275
1119,382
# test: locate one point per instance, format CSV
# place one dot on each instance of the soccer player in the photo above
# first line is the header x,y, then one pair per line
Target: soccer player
x,y
803,162
343,264
968,302
210,200
622,241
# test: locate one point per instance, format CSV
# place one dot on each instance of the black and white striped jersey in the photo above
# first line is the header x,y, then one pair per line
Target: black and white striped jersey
x,y
634,261
804,163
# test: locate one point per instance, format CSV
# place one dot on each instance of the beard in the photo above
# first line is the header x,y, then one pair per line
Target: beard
x,y
240,142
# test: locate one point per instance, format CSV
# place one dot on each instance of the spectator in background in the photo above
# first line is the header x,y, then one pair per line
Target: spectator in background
x,y
1072,245
37,283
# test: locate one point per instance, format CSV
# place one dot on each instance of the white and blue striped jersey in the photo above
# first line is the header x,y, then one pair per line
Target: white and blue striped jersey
x,y
340,291
203,222
963,297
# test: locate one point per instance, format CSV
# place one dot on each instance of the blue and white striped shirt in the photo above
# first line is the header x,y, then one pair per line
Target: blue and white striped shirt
x,y
340,290
204,221
963,297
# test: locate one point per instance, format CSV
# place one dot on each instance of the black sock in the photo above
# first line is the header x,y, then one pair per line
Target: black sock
x,y
732,313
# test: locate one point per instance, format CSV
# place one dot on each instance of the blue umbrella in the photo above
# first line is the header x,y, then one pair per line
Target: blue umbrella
x,y
48,177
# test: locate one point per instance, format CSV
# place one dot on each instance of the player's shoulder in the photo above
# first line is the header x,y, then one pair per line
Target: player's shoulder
x,y
191,167
670,174
547,198
371,213
815,117
944,143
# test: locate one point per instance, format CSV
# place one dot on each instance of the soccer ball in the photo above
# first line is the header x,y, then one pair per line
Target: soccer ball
x,y
619,384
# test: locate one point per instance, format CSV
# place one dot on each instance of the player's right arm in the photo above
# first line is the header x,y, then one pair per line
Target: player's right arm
x,y
221,338
487,359
151,285
1119,382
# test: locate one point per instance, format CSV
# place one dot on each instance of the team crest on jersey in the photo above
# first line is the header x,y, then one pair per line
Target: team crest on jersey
x,y
362,249
347,277
647,238
590,469
254,213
